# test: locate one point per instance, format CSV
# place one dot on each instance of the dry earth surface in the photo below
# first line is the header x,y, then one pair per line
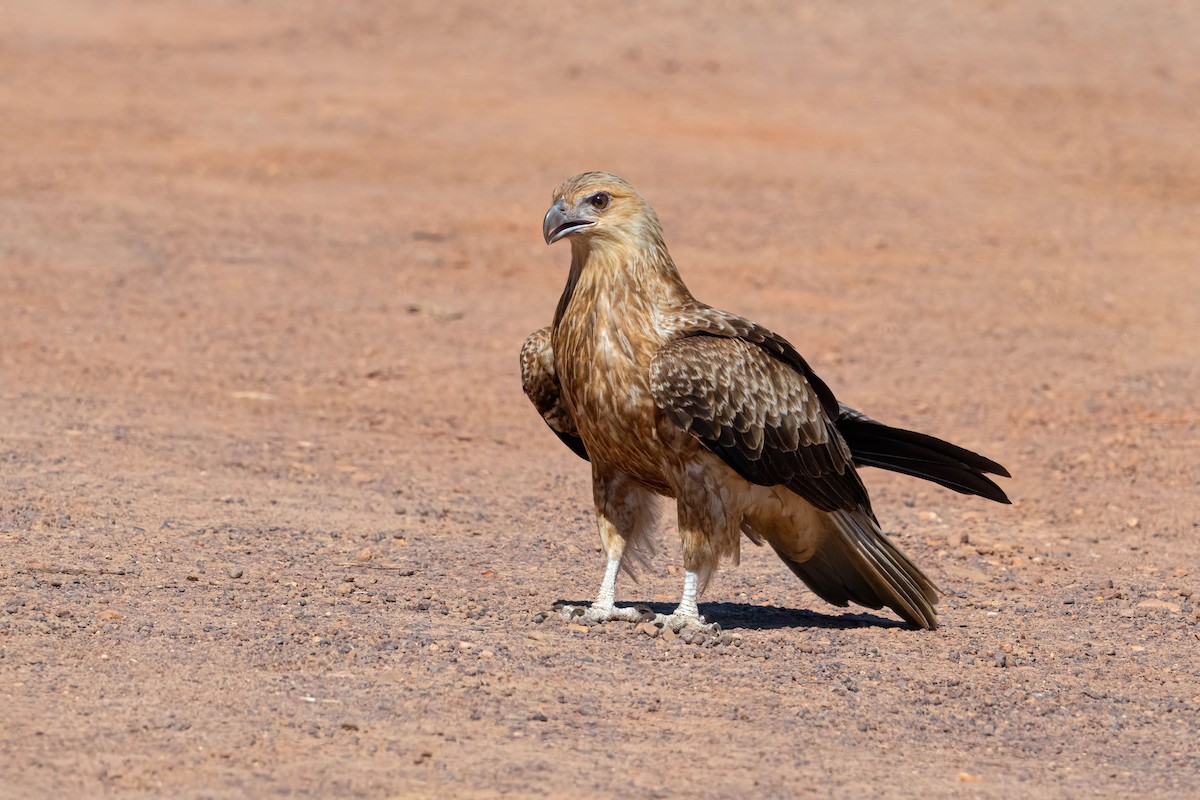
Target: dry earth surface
x,y
276,519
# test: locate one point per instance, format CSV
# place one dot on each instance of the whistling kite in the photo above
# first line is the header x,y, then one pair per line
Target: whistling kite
x,y
667,396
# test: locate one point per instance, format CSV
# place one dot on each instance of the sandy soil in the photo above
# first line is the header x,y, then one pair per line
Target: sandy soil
x,y
276,518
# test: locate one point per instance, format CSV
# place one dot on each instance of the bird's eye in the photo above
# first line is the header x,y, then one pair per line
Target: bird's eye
x,y
600,200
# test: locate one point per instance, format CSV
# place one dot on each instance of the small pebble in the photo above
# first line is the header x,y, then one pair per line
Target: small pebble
x,y
235,572
648,628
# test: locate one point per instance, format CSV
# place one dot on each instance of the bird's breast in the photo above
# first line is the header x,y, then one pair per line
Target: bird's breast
x,y
602,357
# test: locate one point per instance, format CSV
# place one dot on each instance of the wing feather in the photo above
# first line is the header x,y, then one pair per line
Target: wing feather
x,y
540,382
760,414
919,454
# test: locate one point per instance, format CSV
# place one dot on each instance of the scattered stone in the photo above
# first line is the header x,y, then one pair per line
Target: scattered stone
x,y
345,588
539,717
108,614
234,572
1160,604
537,636
365,556
350,726
574,626
668,635
539,618
648,628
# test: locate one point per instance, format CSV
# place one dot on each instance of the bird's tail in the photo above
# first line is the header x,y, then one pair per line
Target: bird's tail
x,y
873,444
856,562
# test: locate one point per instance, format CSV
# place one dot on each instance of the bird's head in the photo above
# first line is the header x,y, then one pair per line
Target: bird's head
x,y
595,208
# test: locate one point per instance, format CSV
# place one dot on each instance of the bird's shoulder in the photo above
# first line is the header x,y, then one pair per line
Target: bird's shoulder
x,y
700,320
541,385
726,387
537,368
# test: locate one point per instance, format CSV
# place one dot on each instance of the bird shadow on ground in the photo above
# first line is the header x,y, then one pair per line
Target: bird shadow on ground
x,y
732,616
746,616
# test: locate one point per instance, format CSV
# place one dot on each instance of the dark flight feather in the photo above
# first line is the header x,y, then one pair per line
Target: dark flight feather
x,y
874,444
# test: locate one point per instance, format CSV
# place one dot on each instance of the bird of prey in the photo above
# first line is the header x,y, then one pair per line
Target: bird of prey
x,y
667,396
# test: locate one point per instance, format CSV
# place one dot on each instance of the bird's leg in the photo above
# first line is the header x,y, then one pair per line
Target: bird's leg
x,y
603,608
624,513
700,513
687,614
687,603
608,587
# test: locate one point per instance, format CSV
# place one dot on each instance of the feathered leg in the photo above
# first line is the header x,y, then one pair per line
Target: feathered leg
x,y
625,516
707,531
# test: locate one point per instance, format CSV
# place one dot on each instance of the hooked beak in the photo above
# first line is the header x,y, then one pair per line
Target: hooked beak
x,y
558,223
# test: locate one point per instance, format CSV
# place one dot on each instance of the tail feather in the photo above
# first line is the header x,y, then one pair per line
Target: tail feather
x,y
856,562
873,444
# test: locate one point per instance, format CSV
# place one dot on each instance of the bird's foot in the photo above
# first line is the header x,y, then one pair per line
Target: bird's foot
x,y
601,613
694,622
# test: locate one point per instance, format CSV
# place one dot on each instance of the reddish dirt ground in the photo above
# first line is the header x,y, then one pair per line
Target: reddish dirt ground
x,y
277,519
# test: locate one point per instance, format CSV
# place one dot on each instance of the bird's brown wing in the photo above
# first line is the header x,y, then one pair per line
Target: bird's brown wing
x,y
701,319
763,416
540,382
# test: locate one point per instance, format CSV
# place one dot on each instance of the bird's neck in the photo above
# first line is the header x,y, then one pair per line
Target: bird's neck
x,y
614,273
